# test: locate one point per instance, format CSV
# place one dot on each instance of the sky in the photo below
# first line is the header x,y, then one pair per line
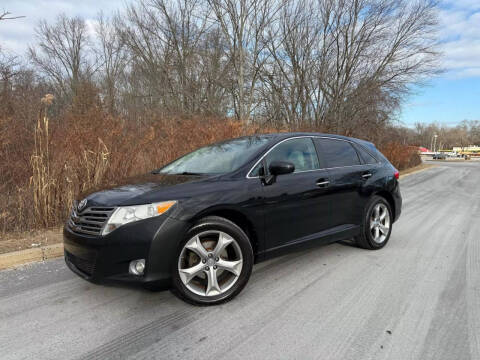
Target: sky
x,y
453,96
447,99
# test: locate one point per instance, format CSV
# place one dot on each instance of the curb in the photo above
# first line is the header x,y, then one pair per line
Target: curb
x,y
22,257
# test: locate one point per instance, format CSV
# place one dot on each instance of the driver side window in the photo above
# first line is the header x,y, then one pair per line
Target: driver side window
x,y
300,152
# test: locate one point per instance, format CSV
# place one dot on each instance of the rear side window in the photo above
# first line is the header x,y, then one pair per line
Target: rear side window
x,y
337,153
365,156
300,152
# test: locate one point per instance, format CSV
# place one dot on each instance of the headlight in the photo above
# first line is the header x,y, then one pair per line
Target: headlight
x,y
127,214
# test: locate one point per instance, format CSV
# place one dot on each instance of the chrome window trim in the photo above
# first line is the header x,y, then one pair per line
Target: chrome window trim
x,y
304,171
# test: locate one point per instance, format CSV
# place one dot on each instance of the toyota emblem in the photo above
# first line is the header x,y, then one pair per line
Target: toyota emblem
x,y
82,204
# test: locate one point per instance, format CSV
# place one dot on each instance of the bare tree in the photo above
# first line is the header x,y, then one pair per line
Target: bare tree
x,y
8,70
345,65
244,24
7,16
176,56
341,65
62,52
288,76
379,44
111,60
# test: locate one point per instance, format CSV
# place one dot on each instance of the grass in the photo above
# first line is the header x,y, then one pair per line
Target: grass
x,y
27,240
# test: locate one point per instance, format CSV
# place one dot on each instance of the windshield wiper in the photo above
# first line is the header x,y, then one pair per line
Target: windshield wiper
x,y
157,172
189,173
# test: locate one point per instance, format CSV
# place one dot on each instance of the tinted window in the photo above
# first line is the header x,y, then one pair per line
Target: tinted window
x,y
338,153
366,157
300,152
218,158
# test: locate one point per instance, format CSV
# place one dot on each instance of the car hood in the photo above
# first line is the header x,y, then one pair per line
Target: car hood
x,y
141,189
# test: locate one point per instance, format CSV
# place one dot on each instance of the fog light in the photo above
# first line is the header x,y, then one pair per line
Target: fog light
x,y
137,267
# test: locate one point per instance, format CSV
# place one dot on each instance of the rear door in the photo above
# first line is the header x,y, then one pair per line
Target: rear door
x,y
297,205
348,177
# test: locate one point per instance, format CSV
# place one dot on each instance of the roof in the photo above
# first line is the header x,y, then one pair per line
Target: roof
x,y
274,137
285,135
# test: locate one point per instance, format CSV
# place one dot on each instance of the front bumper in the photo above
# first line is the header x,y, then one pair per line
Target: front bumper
x,y
99,258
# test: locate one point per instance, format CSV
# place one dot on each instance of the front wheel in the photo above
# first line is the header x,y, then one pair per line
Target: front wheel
x,y
213,263
377,224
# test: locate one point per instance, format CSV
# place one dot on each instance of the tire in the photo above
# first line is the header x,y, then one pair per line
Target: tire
x,y
367,238
218,272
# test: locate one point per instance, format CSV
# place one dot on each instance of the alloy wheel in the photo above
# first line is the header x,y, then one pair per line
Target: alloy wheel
x,y
380,223
210,263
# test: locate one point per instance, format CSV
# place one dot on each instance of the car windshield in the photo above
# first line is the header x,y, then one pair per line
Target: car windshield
x,y
218,158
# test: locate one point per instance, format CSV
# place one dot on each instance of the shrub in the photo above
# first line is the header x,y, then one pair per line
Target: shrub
x,y
401,156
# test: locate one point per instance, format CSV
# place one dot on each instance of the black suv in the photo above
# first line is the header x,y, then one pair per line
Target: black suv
x,y
199,224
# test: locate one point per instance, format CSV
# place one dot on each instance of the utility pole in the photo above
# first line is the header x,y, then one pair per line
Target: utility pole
x,y
435,143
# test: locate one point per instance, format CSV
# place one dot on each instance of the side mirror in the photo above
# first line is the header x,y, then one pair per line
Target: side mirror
x,y
281,167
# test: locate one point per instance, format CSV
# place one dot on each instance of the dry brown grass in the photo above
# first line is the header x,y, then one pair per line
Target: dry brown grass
x,y
46,167
14,241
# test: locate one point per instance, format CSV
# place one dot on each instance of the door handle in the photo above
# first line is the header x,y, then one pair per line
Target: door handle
x,y
323,182
366,175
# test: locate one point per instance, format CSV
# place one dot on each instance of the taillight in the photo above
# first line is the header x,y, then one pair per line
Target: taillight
x,y
397,174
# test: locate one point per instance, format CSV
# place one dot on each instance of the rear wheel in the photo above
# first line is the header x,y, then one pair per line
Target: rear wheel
x,y
377,224
214,262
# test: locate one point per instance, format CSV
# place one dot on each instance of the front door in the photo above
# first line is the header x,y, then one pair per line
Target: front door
x,y
297,205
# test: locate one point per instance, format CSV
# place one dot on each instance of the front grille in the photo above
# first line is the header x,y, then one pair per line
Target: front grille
x,y
85,266
89,221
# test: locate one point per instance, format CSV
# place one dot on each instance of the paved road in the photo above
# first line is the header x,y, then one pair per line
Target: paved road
x,y
418,298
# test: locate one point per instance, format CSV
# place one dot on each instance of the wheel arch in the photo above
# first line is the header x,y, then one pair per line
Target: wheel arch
x,y
387,196
239,219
